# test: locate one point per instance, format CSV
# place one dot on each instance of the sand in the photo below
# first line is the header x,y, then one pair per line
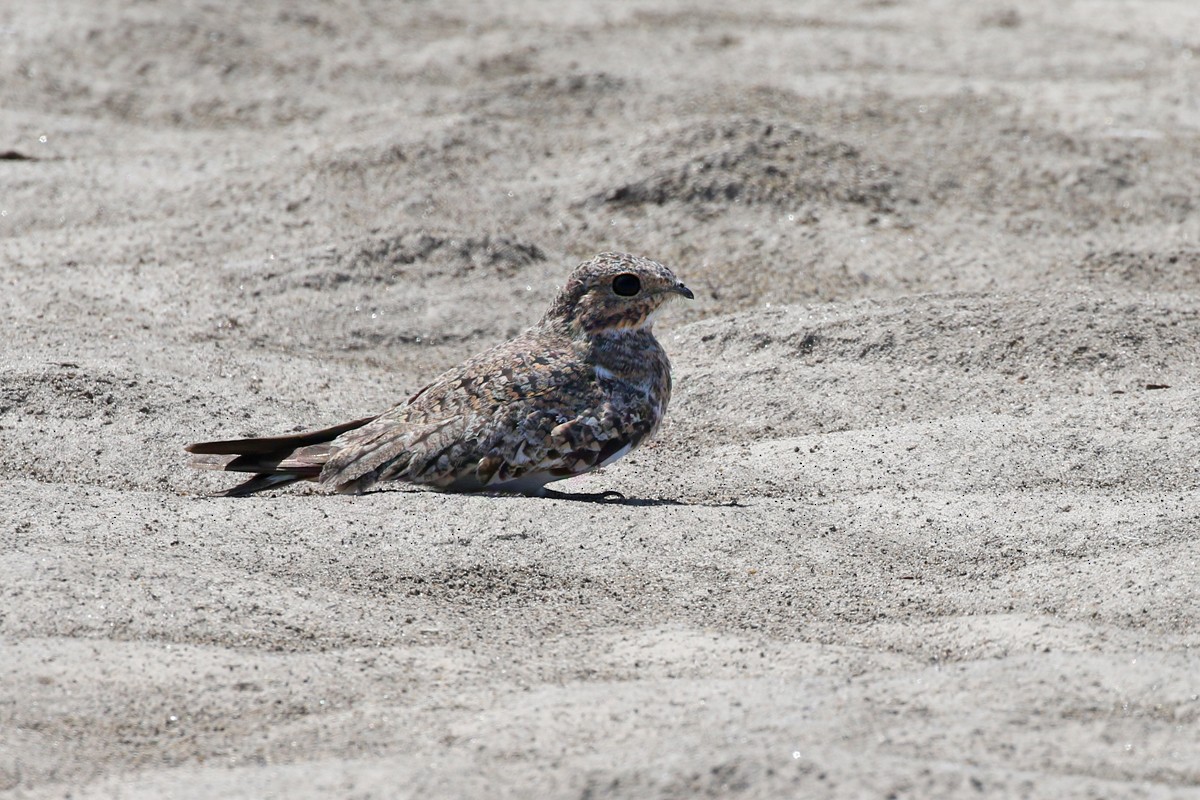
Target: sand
x,y
921,521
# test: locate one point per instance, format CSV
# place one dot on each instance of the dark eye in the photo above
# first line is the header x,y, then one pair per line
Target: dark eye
x,y
627,284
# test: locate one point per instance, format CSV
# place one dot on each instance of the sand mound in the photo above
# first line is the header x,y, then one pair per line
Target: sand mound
x,y
751,161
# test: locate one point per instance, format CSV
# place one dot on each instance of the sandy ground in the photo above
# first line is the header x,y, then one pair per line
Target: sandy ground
x,y
923,518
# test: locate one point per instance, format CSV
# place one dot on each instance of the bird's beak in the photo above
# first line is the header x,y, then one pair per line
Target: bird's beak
x,y
679,288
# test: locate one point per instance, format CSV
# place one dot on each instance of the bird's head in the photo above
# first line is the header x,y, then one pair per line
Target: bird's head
x,y
615,292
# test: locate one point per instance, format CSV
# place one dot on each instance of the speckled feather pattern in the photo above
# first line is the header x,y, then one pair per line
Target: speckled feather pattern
x,y
584,386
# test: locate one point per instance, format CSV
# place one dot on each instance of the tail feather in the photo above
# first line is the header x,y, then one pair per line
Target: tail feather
x,y
273,444
276,460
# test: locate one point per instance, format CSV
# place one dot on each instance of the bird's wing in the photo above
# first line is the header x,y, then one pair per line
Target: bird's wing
x,y
491,416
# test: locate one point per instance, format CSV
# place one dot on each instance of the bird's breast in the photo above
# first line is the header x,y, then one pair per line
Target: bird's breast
x,y
642,384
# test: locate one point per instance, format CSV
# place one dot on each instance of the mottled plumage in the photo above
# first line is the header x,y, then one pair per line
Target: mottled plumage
x,y
581,388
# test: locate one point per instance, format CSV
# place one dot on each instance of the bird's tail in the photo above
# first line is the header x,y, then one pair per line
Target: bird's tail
x,y
276,460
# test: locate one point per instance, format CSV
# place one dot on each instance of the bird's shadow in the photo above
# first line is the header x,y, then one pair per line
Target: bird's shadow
x,y
618,499
610,498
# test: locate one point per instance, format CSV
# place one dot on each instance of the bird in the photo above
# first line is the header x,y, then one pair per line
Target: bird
x,y
577,391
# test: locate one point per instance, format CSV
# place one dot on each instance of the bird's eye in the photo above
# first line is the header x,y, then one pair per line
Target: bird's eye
x,y
627,284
